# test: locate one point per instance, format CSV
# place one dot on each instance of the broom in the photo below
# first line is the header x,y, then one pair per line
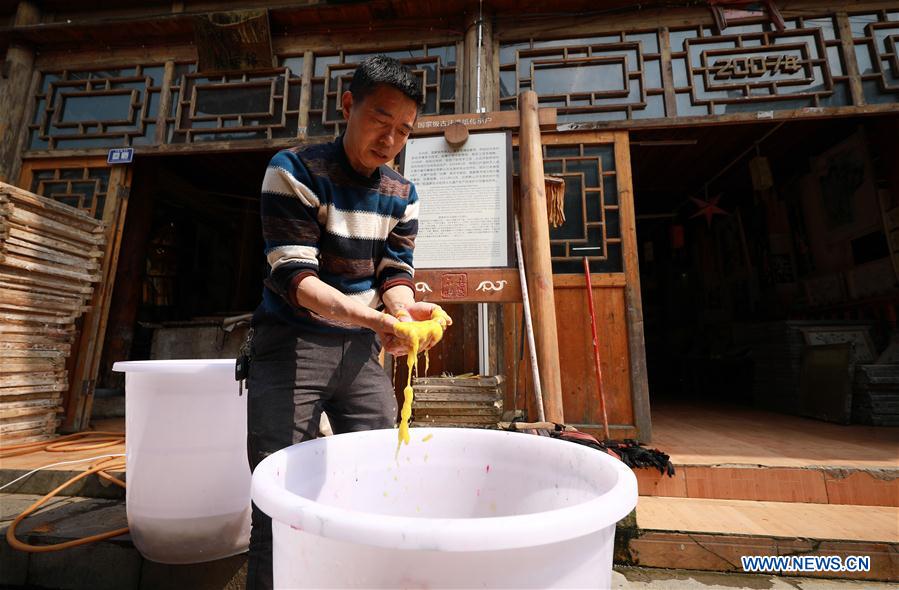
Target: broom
x,y
631,452
628,451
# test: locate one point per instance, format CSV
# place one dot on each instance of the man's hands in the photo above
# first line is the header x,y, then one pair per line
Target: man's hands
x,y
325,300
390,341
419,311
415,311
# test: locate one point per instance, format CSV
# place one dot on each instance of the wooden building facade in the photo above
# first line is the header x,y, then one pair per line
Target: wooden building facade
x,y
81,78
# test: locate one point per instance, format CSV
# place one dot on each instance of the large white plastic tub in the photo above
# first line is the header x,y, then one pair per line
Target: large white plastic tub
x,y
466,508
188,494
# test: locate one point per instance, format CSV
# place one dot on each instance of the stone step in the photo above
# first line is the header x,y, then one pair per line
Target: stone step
x,y
116,565
641,578
812,484
113,564
713,534
44,481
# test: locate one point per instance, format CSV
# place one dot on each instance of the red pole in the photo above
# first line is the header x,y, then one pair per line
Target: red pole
x,y
602,395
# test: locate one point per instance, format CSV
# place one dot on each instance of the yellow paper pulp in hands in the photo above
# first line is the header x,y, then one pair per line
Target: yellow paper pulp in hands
x,y
416,333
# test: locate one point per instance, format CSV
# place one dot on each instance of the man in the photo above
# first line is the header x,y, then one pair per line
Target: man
x,y
339,229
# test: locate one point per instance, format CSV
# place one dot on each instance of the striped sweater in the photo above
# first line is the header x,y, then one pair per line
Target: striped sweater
x,y
320,217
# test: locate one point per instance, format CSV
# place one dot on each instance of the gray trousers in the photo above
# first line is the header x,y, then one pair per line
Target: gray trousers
x,y
294,376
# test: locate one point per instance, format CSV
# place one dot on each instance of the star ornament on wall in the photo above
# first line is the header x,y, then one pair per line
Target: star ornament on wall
x,y
708,209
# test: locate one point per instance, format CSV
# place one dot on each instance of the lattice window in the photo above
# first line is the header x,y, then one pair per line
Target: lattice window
x,y
96,108
82,188
875,37
613,77
753,68
592,225
258,105
435,67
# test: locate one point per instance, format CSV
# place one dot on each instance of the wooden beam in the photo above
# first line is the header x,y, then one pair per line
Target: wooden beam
x,y
504,120
211,147
481,88
165,102
99,57
632,297
573,137
306,94
491,121
469,61
667,73
535,227
807,113
848,46
578,24
461,66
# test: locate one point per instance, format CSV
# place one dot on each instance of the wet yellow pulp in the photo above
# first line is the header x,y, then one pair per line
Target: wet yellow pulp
x,y
416,333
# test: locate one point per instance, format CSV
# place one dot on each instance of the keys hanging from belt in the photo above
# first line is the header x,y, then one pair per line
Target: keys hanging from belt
x,y
242,364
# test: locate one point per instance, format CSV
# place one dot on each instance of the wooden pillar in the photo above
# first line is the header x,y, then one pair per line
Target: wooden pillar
x,y
165,104
14,93
535,227
479,95
306,94
855,80
667,73
482,23
633,300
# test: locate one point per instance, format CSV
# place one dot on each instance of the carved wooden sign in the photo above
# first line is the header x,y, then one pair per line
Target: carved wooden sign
x,y
233,41
755,66
468,285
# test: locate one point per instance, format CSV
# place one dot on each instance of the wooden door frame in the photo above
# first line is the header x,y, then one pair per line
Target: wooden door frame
x,y
78,400
620,140
632,293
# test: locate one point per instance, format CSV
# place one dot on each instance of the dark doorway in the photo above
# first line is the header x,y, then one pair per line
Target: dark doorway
x,y
192,249
753,236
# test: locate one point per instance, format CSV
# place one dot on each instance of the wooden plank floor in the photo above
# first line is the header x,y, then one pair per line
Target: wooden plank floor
x,y
770,519
702,435
699,435
44,458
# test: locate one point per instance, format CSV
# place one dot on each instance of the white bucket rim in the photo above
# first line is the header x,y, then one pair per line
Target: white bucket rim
x,y
446,534
171,365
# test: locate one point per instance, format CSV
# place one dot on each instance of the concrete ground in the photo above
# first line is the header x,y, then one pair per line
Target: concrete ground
x,y
637,578
116,565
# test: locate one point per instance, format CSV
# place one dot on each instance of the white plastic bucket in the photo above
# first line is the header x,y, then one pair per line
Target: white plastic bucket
x,y
188,494
464,508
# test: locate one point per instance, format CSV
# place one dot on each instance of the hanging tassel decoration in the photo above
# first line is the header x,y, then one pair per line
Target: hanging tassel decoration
x,y
555,200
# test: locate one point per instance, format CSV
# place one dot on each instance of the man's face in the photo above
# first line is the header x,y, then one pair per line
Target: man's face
x,y
377,127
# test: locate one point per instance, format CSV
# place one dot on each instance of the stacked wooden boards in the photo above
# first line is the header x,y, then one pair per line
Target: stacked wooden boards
x,y
875,398
50,257
457,401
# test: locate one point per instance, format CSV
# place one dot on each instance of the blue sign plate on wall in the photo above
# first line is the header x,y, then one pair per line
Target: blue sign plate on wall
x,y
120,156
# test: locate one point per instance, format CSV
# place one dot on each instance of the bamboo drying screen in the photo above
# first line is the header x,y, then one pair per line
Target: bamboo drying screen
x,y
50,260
